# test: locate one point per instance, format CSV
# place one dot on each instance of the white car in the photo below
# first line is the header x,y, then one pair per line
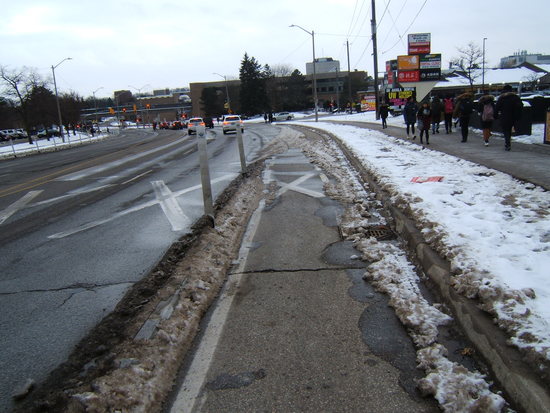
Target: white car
x,y
283,116
193,124
231,122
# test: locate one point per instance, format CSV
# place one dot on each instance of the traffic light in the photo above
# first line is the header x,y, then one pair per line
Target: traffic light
x,y
148,106
124,110
111,111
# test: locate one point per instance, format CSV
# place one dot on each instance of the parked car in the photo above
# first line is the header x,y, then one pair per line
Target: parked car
x,y
231,122
283,116
193,124
21,133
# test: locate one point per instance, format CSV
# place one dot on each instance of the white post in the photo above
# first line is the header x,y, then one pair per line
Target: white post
x,y
241,148
205,173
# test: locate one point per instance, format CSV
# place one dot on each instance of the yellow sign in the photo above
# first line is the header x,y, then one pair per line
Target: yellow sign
x,y
135,108
410,62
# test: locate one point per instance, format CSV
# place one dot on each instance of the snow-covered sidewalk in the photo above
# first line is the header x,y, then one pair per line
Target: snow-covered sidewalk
x,y
493,229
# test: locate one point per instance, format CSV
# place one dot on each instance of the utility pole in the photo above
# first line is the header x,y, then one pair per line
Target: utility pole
x,y
349,76
483,69
375,54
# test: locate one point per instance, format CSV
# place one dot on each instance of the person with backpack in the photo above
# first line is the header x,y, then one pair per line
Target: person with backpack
x,y
409,114
463,110
508,110
486,110
448,107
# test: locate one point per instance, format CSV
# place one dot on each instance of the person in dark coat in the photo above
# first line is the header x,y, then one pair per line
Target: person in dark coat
x,y
508,109
486,110
424,116
409,114
437,109
463,110
384,111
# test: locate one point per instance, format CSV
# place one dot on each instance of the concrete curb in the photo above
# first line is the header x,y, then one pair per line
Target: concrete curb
x,y
525,389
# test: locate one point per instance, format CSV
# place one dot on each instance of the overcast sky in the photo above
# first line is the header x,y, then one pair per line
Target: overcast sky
x,y
153,44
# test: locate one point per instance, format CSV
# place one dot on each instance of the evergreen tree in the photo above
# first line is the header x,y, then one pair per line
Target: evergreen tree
x,y
253,96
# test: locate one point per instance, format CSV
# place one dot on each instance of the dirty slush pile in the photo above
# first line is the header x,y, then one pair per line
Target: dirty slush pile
x,y
113,370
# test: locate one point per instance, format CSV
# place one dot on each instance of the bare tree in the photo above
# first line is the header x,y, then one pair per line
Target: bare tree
x,y
469,61
19,85
281,70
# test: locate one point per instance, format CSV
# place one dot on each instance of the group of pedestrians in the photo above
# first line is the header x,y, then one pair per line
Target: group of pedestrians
x,y
428,115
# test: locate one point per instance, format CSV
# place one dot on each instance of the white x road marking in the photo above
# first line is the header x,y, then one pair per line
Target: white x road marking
x,y
17,205
136,208
294,185
170,206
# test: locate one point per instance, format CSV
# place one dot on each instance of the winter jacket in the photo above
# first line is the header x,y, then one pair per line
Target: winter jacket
x,y
409,111
484,100
464,99
437,108
425,116
448,105
508,108
384,110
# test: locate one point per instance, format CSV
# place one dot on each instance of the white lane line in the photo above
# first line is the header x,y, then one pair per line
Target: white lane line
x,y
136,208
170,206
17,205
189,393
71,194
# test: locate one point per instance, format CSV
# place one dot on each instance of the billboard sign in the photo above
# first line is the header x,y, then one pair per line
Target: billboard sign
x,y
408,62
419,43
368,103
430,61
397,97
408,76
430,74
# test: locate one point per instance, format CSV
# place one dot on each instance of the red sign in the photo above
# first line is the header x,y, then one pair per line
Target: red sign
x,y
390,77
408,76
419,43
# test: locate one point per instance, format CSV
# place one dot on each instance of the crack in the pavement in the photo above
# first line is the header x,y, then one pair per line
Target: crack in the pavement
x,y
275,270
82,286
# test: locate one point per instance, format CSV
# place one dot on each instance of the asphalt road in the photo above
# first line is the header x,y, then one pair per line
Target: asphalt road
x,y
79,227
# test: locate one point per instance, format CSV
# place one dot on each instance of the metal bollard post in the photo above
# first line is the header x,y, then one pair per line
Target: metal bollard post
x,y
205,173
239,133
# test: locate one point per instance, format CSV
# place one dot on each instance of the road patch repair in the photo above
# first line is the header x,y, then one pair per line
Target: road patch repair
x,y
130,361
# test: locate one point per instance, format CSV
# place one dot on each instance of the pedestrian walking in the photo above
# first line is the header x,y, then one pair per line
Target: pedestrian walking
x,y
424,116
437,109
463,110
384,110
448,105
265,117
508,110
409,114
486,110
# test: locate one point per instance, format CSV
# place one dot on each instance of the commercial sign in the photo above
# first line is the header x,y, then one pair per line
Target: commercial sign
x,y
430,74
397,97
408,62
419,43
430,61
368,103
404,76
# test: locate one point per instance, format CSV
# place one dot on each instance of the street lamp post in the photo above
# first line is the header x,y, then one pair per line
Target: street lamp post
x,y
57,98
140,108
483,67
312,34
95,102
226,92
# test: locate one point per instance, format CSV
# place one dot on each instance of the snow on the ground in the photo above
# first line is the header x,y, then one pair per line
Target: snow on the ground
x,y
456,388
493,229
